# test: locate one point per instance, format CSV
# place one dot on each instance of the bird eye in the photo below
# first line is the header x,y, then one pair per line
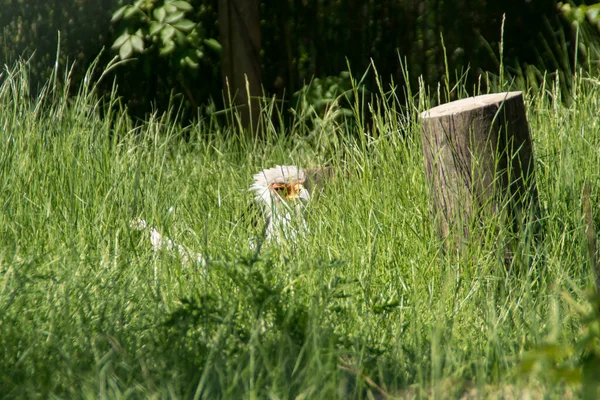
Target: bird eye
x,y
278,188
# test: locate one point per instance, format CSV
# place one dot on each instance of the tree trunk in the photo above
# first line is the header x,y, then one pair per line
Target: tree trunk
x,y
239,26
478,158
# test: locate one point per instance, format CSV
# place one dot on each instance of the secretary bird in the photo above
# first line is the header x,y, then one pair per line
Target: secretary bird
x,y
280,192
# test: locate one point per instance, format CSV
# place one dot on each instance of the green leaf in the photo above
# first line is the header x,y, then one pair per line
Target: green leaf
x,y
174,17
160,14
170,8
147,5
592,13
213,45
131,12
137,43
155,27
180,37
184,25
120,40
126,50
167,48
190,63
183,5
117,15
167,33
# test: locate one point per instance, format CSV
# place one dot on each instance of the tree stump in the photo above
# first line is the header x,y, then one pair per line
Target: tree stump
x,y
479,162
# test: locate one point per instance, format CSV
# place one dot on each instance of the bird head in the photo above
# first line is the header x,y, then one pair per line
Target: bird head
x,y
280,185
281,192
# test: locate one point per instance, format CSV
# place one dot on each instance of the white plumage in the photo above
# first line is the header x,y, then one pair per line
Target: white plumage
x,y
279,191
159,242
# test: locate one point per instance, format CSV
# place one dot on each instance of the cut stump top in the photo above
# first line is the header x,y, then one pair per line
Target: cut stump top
x,y
468,104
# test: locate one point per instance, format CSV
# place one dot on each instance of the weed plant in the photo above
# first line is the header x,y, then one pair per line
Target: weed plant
x,y
367,305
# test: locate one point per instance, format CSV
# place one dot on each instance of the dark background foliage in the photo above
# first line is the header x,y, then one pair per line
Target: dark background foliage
x,y
300,39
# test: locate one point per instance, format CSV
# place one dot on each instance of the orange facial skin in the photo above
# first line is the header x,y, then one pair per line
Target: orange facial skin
x,y
289,191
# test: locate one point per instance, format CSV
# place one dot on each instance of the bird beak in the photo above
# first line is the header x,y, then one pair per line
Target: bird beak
x,y
303,195
298,192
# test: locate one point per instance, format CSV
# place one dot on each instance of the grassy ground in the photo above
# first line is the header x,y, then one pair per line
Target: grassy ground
x,y
365,307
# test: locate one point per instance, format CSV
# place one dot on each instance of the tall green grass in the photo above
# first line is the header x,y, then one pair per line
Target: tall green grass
x,y
366,306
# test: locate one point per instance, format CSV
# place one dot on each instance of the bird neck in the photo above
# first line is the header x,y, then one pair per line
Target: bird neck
x,y
281,221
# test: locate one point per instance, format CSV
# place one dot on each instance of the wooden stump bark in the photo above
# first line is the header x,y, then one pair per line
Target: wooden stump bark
x,y
479,161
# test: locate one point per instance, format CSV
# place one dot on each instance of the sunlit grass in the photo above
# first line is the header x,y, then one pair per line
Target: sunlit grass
x,y
367,304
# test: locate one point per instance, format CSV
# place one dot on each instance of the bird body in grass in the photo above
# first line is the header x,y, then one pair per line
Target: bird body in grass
x,y
281,193
159,242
